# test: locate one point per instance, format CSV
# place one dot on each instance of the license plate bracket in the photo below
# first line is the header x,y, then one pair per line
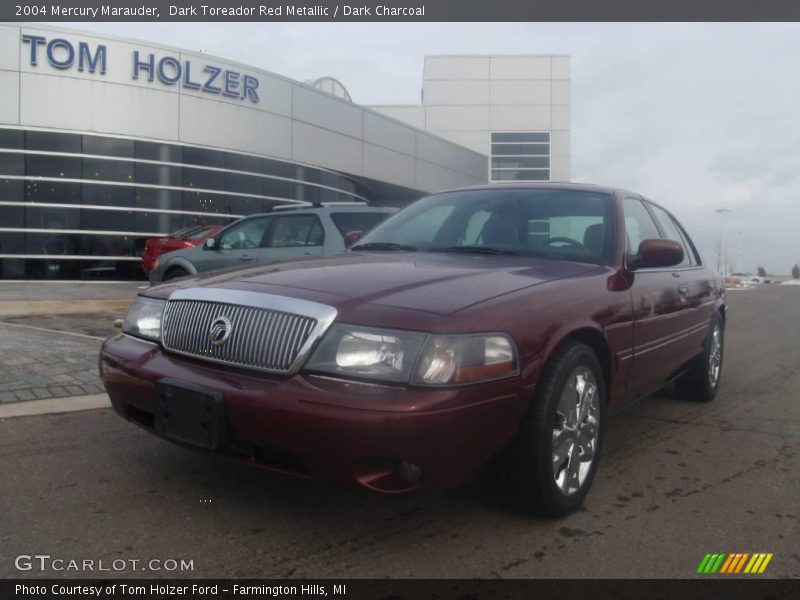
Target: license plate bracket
x,y
190,414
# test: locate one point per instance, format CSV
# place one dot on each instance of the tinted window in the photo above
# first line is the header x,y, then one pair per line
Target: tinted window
x,y
297,230
356,221
639,225
671,231
552,223
243,235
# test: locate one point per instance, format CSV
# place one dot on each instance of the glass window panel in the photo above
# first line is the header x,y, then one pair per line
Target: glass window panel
x,y
247,234
672,232
280,189
12,164
521,136
11,189
12,138
43,217
53,142
108,195
295,231
38,165
53,192
243,162
101,220
107,170
159,152
520,149
11,216
356,221
533,162
108,146
155,174
12,243
203,157
521,175
155,198
157,222
639,225
245,184
202,179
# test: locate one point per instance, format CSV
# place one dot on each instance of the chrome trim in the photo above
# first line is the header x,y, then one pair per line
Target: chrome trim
x,y
284,319
118,208
80,232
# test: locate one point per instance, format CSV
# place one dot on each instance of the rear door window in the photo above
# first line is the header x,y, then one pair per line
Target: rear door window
x,y
347,222
295,231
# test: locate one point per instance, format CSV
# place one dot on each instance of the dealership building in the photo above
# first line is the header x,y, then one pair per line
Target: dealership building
x,y
106,141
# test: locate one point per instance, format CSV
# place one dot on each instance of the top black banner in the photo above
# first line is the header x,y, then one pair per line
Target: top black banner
x,y
401,10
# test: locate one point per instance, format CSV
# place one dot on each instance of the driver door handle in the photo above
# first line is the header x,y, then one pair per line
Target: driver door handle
x,y
683,290
246,257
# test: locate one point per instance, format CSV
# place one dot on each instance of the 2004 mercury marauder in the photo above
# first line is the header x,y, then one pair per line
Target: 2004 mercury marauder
x,y
510,318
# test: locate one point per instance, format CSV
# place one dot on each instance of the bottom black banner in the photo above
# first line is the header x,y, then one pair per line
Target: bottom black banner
x,y
401,589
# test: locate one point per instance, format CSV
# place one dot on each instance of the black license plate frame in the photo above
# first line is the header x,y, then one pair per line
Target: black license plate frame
x,y
189,414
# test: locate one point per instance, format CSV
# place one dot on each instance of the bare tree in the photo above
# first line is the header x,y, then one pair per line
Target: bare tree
x,y
762,272
796,272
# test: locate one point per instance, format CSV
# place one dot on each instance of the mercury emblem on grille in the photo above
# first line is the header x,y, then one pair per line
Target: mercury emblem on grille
x,y
220,330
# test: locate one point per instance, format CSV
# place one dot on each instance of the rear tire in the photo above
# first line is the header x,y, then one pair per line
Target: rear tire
x,y
557,452
701,382
175,273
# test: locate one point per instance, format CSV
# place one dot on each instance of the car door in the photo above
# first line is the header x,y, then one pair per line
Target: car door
x,y
292,236
659,344
697,284
237,244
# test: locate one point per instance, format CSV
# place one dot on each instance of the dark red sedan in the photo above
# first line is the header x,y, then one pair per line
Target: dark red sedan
x,y
509,319
188,237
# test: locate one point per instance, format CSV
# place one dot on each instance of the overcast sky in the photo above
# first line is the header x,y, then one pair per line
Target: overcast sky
x,y
696,116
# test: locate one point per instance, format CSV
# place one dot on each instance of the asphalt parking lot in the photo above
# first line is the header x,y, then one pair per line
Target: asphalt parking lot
x,y
677,480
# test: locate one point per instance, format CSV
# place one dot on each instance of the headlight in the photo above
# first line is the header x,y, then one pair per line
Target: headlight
x,y
417,358
457,359
367,353
144,318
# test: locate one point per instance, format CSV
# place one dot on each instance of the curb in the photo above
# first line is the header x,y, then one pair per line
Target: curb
x,y
54,406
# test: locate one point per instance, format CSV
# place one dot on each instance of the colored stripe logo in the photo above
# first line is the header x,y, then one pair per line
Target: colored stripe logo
x,y
735,562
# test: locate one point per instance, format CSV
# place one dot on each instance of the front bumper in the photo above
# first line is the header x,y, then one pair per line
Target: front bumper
x,y
341,431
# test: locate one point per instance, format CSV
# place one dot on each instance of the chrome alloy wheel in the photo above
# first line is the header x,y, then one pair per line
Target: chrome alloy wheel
x,y
575,431
715,356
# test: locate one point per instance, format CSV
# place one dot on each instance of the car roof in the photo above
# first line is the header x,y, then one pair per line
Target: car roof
x,y
546,185
326,209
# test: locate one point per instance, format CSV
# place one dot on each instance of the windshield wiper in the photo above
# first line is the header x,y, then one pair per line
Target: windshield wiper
x,y
475,250
384,246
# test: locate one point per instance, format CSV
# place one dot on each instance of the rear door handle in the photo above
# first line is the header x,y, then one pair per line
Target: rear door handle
x,y
245,257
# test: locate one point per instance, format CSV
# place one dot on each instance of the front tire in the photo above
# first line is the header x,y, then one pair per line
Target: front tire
x,y
561,436
701,381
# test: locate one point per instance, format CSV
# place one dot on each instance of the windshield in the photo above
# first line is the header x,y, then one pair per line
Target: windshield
x,y
567,224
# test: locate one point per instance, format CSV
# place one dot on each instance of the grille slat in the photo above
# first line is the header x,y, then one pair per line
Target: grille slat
x,y
260,338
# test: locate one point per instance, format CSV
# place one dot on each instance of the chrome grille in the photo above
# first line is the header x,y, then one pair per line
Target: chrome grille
x,y
261,337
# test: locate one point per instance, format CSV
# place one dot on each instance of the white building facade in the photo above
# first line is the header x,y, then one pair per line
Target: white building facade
x,y
513,109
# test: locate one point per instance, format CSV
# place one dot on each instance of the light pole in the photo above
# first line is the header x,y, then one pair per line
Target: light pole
x,y
721,258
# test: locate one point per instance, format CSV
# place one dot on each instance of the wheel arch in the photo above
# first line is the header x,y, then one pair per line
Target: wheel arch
x,y
593,337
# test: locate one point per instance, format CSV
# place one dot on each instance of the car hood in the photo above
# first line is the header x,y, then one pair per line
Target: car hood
x,y
439,283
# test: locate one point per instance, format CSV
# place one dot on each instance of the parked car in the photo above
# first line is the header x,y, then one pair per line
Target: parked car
x,y
504,320
285,233
748,277
188,237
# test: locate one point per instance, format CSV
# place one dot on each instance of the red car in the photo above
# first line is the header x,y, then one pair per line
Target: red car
x,y
188,237
509,319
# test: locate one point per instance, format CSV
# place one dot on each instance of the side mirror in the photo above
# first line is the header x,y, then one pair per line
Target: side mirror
x,y
351,237
211,244
658,253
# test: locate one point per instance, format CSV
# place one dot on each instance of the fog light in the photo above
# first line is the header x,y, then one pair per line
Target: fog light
x,y
409,471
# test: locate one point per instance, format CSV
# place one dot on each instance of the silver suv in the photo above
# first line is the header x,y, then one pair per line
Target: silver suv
x,y
279,235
